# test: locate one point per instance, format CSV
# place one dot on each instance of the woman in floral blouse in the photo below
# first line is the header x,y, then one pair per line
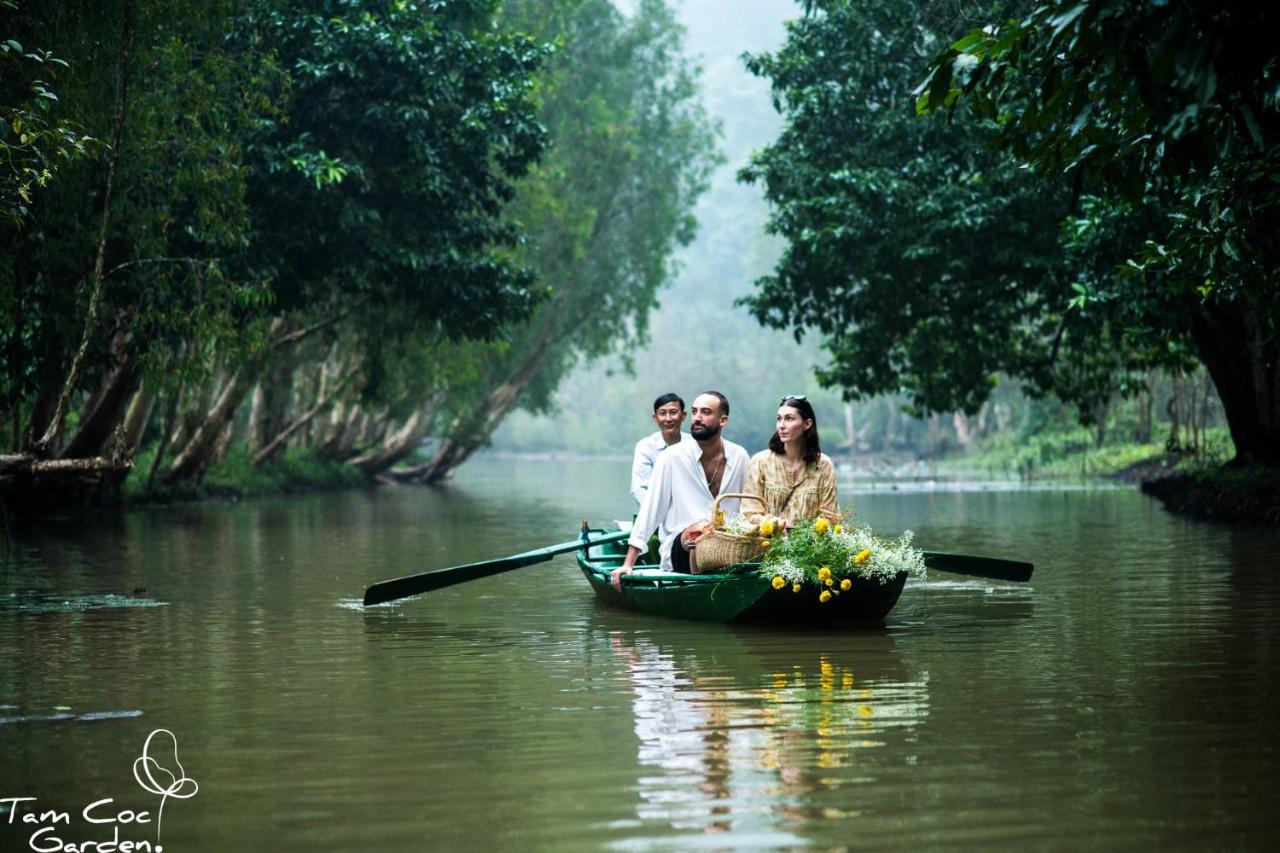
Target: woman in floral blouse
x,y
794,477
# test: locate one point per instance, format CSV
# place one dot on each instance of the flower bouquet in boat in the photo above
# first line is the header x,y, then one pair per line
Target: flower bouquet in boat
x,y
825,559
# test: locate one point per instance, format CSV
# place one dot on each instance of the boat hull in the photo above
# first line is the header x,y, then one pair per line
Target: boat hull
x,y
740,594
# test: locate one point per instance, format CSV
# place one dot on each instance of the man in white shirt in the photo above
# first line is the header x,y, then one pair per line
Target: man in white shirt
x,y
686,478
668,414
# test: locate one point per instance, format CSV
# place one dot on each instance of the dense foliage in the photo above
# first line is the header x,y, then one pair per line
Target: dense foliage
x,y
930,256
1174,105
326,224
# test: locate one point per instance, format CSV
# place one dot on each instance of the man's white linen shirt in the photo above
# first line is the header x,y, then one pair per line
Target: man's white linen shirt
x,y
678,494
646,455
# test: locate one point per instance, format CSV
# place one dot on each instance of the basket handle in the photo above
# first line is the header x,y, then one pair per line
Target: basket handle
x,y
715,505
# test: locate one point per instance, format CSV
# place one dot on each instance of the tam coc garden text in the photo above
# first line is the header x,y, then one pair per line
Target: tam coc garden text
x,y
639,424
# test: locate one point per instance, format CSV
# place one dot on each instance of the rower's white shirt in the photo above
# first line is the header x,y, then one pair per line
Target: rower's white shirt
x,y
678,495
646,455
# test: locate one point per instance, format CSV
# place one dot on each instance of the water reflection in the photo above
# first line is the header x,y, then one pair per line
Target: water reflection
x,y
1124,699
740,739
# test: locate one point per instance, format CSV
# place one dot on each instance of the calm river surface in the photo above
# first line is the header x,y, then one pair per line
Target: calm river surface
x,y
1127,699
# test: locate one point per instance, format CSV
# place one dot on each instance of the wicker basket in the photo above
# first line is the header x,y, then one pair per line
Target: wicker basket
x,y
718,547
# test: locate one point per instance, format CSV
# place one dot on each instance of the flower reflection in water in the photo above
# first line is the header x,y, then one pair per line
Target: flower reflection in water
x,y
759,736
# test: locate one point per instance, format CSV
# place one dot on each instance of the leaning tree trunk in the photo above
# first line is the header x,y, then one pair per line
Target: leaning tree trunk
x,y
269,411
136,419
470,430
398,446
272,449
99,422
201,449
1241,351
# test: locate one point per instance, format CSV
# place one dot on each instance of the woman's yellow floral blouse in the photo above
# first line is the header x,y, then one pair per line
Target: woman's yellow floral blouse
x,y
806,495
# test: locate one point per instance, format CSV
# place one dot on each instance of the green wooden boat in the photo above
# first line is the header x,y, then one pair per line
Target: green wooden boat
x,y
738,594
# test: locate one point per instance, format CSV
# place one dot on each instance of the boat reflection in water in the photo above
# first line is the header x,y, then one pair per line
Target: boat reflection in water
x,y
757,733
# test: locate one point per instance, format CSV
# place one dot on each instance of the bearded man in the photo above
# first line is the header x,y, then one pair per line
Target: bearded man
x,y
686,479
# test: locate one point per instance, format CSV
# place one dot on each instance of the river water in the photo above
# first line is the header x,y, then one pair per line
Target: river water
x,y
1126,699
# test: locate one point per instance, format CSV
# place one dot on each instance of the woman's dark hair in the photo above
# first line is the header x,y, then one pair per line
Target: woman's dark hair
x,y
667,398
812,449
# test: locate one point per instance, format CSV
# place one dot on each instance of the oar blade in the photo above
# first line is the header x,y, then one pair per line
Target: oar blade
x,y
411,585
416,584
993,568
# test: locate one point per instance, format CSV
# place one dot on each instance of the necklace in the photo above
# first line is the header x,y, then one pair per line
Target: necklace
x,y
715,472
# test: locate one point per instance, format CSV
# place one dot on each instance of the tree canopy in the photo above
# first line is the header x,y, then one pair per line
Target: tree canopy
x,y
1175,107
936,251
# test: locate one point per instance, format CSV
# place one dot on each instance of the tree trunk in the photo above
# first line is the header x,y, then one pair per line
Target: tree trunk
x,y
41,414
198,454
273,447
964,432
167,432
1100,413
203,447
398,446
891,423
1172,409
222,444
99,422
1145,401
1242,354
269,414
471,430
135,420
91,315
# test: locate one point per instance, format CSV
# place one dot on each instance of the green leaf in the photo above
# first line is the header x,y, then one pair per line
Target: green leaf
x,y
972,40
1061,22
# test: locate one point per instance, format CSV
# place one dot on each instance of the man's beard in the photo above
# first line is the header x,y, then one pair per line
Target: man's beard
x,y
703,432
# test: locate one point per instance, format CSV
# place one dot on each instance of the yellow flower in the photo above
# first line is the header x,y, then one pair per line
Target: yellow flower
x,y
825,597
765,543
795,587
863,556
838,528
828,581
821,526
720,518
824,573
778,582
846,584
766,527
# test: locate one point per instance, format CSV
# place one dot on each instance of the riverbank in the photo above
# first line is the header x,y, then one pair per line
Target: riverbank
x,y
1199,486
1245,496
235,476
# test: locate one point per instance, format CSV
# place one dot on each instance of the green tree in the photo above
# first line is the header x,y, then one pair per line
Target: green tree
x,y
929,263
120,261
377,197
1172,104
35,136
632,150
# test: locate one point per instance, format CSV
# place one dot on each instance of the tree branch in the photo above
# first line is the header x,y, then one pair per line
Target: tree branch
x,y
91,318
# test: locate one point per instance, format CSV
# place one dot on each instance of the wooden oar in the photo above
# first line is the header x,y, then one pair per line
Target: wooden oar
x,y
981,567
409,585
